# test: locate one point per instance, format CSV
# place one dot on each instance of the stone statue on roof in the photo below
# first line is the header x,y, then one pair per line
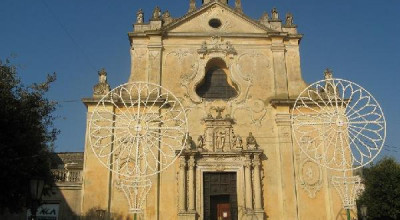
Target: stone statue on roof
x,y
102,87
274,14
156,14
289,20
139,17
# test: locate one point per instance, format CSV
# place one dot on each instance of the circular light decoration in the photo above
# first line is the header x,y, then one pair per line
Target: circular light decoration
x,y
137,129
338,124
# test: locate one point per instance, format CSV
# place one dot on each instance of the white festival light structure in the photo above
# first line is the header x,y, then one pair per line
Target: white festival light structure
x,y
135,131
339,125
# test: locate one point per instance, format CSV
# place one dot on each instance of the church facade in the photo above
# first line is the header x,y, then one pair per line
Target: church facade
x,y
237,79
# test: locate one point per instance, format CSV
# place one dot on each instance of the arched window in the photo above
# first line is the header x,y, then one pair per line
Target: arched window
x,y
216,83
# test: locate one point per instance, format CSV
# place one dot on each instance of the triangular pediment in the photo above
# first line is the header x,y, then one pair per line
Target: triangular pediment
x,y
231,21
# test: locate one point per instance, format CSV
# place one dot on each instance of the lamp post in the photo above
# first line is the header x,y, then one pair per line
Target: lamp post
x,y
36,189
363,210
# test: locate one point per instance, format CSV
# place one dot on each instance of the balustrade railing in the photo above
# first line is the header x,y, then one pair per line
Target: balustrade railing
x,y
63,175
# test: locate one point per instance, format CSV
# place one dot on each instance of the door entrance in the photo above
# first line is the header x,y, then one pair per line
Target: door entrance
x,y
220,198
220,207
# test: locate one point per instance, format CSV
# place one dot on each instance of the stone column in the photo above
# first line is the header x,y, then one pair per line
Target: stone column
x,y
182,184
257,183
247,176
191,183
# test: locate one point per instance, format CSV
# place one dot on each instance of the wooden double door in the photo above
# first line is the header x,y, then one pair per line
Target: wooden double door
x,y
220,196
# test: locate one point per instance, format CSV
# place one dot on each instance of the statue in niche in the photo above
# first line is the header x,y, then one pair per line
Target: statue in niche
x,y
101,88
289,20
233,140
200,142
220,141
239,142
274,14
139,17
156,14
251,142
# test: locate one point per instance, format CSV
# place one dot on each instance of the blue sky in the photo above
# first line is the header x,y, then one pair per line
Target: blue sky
x,y
358,39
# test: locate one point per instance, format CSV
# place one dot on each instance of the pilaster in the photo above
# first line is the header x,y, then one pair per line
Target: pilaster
x,y
257,183
154,60
191,184
248,185
278,54
187,191
287,165
182,185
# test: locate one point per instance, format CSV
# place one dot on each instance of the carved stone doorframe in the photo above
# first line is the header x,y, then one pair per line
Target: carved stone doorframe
x,y
247,166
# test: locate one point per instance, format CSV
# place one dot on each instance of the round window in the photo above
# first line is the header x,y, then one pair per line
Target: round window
x,y
215,23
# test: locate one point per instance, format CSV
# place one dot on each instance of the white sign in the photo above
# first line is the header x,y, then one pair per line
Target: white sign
x,y
45,212
225,214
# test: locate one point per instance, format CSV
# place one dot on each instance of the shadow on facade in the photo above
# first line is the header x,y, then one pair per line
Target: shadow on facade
x,y
62,201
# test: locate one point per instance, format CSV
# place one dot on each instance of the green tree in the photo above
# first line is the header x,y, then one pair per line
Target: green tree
x,y
382,190
27,135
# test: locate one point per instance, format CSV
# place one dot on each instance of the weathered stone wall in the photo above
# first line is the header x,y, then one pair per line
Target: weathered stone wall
x,y
264,65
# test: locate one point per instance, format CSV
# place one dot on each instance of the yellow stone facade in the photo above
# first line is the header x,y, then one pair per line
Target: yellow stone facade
x,y
261,60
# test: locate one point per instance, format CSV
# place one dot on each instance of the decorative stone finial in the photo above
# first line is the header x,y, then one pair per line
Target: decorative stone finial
x,y
328,73
139,17
102,87
289,20
274,14
166,17
330,87
238,6
156,14
264,19
192,6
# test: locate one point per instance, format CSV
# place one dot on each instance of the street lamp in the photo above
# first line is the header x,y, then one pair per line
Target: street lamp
x,y
36,186
363,210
